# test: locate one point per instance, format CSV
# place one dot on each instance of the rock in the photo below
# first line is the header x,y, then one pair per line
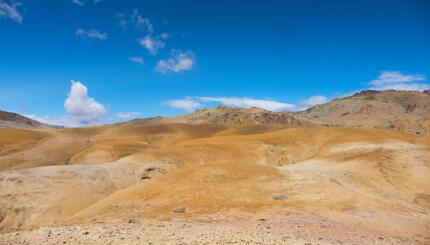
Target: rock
x,y
180,210
280,197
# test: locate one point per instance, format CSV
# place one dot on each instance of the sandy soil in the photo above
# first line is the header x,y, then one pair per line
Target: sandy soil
x,y
265,228
183,183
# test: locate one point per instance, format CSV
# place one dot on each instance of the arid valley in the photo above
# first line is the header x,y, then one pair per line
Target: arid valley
x,y
353,171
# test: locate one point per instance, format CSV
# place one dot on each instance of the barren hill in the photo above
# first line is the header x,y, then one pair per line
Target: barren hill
x,y
14,120
240,116
399,110
226,175
395,110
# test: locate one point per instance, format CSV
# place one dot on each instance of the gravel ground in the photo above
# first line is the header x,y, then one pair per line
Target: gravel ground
x,y
262,229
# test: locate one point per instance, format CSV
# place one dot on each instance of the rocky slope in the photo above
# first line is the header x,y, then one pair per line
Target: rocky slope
x,y
14,120
240,116
404,111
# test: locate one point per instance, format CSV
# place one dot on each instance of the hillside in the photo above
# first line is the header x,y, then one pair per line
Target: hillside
x,y
399,110
394,110
372,183
14,120
271,177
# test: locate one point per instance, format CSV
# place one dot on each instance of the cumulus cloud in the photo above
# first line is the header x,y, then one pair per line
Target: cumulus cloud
x,y
399,81
152,44
9,10
185,104
138,60
91,34
82,108
178,62
128,115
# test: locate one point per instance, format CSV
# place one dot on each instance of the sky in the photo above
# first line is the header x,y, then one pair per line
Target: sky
x,y
84,62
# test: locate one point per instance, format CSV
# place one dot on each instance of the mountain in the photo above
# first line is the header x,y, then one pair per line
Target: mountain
x,y
404,111
213,170
14,120
239,116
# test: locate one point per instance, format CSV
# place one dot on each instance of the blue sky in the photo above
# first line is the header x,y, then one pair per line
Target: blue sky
x,y
148,58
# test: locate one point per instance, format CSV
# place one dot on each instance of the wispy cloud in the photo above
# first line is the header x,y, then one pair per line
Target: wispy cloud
x,y
136,20
138,60
178,62
82,2
186,104
399,81
91,34
10,10
122,20
191,103
141,23
152,44
312,101
128,115
270,105
78,2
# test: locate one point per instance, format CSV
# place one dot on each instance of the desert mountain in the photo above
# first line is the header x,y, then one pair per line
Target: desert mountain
x,y
14,120
399,110
249,169
403,111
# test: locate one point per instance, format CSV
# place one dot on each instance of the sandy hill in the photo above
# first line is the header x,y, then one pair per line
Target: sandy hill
x,y
14,120
223,175
399,110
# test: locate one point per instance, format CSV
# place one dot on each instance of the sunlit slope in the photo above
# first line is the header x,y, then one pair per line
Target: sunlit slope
x,y
123,171
404,111
317,168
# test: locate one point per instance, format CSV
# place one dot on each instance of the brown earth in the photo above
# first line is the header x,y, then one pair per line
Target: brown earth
x,y
404,111
202,178
14,120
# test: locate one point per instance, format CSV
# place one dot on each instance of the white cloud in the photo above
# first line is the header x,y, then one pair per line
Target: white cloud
x,y
78,2
399,81
122,20
178,62
9,10
141,23
127,115
82,108
270,105
82,2
185,104
152,44
191,103
138,60
91,34
312,101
